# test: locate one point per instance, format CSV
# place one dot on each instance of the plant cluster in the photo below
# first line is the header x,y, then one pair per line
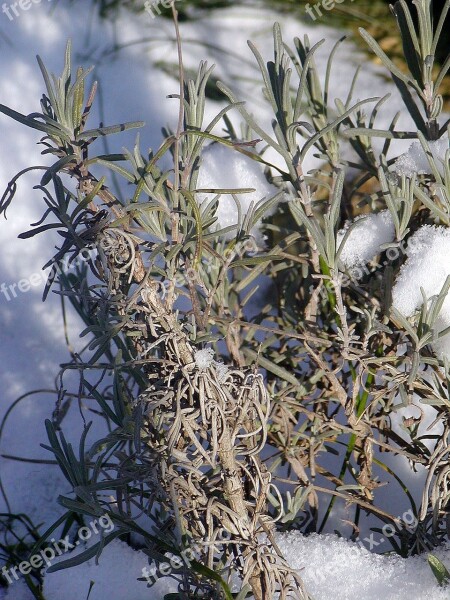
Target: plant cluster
x,y
241,443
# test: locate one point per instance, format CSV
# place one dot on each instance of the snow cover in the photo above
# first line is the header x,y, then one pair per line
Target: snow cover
x,y
341,570
115,578
368,233
416,161
116,560
427,267
330,567
225,168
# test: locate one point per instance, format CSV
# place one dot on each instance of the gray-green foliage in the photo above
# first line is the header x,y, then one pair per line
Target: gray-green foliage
x,y
317,371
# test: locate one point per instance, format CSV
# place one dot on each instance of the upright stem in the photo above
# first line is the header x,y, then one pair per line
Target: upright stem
x,y
175,216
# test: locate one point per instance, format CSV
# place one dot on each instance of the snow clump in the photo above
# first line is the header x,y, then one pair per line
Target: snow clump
x,y
415,161
204,359
368,234
427,266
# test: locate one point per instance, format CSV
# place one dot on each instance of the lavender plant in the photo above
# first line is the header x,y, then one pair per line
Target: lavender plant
x,y
221,425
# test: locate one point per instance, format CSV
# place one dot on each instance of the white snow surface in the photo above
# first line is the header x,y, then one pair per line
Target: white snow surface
x,y
335,568
224,168
330,567
368,233
115,578
415,160
427,267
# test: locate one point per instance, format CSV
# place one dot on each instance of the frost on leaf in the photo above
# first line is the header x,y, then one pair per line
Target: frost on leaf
x,y
204,358
222,371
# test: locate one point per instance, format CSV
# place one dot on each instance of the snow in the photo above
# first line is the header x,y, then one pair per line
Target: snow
x,y
18,591
221,371
441,346
426,267
335,568
116,560
331,567
224,168
423,416
415,160
204,358
368,233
